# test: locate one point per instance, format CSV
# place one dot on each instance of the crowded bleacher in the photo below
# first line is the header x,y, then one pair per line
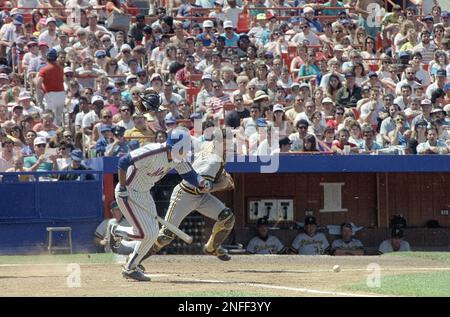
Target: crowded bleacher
x,y
339,77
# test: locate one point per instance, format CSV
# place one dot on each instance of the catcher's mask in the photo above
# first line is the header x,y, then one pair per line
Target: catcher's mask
x,y
148,102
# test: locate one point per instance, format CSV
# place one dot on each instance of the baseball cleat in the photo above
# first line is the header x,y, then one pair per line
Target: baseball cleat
x,y
220,253
135,275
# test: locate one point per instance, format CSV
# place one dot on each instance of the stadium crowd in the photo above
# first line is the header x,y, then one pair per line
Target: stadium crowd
x,y
308,77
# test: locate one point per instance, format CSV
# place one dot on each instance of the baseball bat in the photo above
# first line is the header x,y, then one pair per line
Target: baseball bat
x,y
180,233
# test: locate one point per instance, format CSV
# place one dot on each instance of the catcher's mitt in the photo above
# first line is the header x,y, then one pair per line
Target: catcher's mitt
x,y
225,182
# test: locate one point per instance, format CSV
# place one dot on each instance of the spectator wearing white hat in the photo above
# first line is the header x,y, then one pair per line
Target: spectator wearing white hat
x,y
426,106
207,36
28,107
50,35
231,38
38,161
68,77
125,53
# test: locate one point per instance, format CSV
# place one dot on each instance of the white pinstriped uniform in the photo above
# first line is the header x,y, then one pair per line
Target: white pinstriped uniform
x,y
150,164
186,198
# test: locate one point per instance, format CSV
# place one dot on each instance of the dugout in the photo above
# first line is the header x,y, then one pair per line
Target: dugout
x,y
372,189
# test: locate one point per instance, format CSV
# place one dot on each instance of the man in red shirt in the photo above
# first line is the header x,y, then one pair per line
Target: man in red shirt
x,y
183,75
51,80
340,144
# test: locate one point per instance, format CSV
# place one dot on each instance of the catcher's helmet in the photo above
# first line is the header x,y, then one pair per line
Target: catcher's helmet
x,y
149,102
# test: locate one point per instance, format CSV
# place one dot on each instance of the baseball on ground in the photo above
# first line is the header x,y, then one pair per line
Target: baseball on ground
x,y
336,268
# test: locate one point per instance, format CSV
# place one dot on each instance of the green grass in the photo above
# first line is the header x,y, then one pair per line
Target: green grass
x,y
60,258
418,284
436,256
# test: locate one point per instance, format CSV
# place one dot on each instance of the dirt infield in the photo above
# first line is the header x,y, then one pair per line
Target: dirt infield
x,y
185,275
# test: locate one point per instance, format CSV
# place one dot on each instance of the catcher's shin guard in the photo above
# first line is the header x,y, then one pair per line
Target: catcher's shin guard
x,y
220,231
165,237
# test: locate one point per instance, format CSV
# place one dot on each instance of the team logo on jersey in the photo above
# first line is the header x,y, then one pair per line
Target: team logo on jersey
x,y
159,172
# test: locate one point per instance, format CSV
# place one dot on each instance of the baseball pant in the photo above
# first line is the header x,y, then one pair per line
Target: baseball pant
x,y
55,102
183,203
125,247
140,211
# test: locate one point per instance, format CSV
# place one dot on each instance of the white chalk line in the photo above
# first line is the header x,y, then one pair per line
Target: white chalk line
x,y
280,287
342,270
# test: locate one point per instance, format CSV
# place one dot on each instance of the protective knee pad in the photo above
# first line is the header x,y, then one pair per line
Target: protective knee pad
x,y
165,237
221,230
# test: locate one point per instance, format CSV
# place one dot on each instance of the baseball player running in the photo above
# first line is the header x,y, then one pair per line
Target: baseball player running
x,y
209,163
138,172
